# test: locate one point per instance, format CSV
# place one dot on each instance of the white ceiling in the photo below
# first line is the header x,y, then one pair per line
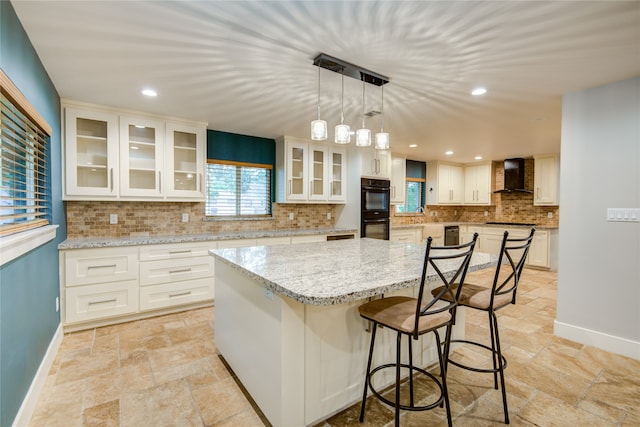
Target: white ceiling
x,y
247,67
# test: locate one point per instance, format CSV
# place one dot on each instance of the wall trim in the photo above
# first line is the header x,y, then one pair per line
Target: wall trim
x,y
618,345
31,399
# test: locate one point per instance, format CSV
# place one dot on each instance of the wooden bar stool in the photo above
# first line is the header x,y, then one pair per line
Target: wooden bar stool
x,y
489,298
410,316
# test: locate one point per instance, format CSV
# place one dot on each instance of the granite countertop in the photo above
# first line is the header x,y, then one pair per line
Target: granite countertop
x,y
99,242
336,272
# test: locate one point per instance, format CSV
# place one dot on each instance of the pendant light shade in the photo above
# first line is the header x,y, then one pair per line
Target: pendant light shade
x,y
343,132
318,127
363,135
382,138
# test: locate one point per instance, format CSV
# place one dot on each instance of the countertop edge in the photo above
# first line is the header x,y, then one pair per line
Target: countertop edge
x,y
98,242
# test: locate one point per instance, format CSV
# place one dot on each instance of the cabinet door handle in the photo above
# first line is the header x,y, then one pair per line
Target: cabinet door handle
x,y
182,251
102,301
311,187
182,270
201,183
101,266
179,294
289,188
160,181
378,166
111,178
373,165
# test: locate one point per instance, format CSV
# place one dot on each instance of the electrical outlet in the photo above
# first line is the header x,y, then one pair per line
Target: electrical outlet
x,y
113,219
291,216
486,213
185,217
57,304
268,293
328,215
550,215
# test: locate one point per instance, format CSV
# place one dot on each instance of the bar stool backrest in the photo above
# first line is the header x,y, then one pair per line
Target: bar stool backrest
x,y
513,255
437,257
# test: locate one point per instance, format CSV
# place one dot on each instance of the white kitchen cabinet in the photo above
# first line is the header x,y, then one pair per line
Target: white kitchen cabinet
x,y
318,168
546,180
445,183
110,155
478,179
100,301
406,235
185,160
175,274
98,283
398,179
337,174
539,252
141,157
375,163
309,172
91,153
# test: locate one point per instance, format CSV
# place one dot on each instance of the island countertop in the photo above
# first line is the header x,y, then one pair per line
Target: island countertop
x,y
336,272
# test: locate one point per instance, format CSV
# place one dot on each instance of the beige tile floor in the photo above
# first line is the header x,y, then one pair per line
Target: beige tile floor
x,y
164,371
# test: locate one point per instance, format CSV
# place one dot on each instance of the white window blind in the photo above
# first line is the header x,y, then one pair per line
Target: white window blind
x,y
238,189
23,183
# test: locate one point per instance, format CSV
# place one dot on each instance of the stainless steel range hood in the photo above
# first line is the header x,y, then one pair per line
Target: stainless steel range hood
x,y
514,177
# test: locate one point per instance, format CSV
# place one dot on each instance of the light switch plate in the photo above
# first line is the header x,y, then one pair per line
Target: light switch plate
x,y
623,214
113,218
185,217
291,215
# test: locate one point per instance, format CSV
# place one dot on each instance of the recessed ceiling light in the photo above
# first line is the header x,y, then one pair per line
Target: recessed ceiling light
x,y
149,92
478,91
478,158
448,153
413,145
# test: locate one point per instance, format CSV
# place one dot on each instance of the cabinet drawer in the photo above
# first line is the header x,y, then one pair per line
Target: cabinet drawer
x,y
155,272
171,294
309,239
85,267
175,250
100,301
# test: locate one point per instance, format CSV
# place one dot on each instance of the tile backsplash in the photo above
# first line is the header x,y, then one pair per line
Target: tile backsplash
x,y
91,219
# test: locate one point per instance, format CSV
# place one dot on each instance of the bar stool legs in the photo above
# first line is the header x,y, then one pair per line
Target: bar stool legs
x,y
444,396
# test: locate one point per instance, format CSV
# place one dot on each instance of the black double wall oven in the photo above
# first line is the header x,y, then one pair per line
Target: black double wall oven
x,y
374,214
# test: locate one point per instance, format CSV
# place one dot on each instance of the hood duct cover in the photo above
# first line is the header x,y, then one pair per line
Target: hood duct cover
x,y
514,177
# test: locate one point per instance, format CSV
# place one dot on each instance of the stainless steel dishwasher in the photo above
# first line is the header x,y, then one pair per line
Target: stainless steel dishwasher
x,y
451,235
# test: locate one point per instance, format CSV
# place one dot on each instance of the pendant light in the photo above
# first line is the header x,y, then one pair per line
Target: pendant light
x,y
382,138
363,135
343,132
319,127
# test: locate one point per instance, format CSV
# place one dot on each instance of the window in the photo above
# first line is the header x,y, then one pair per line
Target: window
x,y
414,189
23,182
238,189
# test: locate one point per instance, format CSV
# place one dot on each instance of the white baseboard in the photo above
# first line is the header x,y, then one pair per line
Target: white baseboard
x,y
31,399
597,339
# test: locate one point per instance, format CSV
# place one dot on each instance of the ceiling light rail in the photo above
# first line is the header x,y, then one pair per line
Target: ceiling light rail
x,y
350,70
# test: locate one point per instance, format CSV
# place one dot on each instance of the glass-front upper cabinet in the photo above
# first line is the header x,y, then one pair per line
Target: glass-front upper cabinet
x,y
185,161
338,175
91,153
141,161
297,177
318,182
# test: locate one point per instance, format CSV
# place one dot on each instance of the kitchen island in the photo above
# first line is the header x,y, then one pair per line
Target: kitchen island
x,y
287,323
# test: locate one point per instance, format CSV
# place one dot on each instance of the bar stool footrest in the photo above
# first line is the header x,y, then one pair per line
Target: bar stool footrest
x,y
433,378
474,369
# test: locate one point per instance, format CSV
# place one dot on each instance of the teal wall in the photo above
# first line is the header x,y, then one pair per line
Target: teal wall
x,y
29,284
